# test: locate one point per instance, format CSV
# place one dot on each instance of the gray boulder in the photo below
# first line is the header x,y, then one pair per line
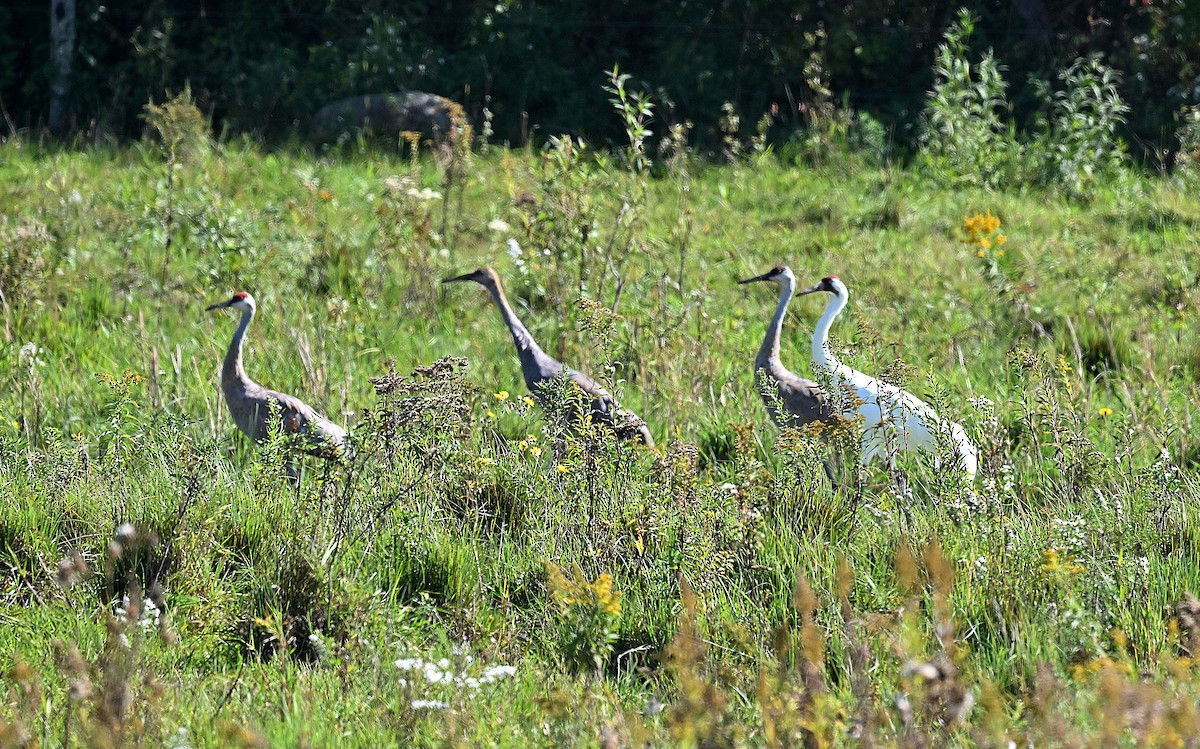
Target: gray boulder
x,y
386,116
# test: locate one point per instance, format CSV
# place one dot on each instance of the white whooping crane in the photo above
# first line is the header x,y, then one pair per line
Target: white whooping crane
x,y
885,407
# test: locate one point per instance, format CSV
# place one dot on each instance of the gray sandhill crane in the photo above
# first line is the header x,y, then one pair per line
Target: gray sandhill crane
x,y
539,368
251,403
803,400
887,411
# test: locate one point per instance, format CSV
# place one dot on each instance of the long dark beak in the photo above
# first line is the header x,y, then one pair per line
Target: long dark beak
x,y
463,277
810,290
218,305
763,277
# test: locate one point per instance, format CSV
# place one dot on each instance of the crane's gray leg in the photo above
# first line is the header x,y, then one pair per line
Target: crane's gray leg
x,y
292,472
827,464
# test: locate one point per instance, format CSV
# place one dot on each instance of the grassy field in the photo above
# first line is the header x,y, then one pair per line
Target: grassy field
x,y
471,580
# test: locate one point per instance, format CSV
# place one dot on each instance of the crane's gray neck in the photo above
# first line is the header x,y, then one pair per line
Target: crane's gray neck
x,y
768,353
232,369
820,344
521,336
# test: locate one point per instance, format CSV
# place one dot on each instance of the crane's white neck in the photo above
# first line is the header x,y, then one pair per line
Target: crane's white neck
x,y
820,344
768,353
233,369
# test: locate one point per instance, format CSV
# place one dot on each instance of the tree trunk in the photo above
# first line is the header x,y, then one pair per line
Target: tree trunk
x,y
62,51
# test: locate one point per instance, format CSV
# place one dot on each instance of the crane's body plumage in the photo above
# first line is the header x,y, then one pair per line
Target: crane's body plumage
x,y
253,405
539,369
893,419
803,401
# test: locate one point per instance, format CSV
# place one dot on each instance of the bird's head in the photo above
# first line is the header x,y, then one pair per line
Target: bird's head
x,y
485,276
239,301
779,274
829,284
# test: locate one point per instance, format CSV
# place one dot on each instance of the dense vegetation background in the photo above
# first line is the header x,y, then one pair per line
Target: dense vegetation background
x,y
475,577
266,70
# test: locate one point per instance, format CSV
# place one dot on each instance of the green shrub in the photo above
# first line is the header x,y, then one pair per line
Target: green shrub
x,y
1079,148
965,136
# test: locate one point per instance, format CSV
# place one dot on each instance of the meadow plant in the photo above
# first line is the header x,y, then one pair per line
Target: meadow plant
x,y
635,110
1079,146
1187,135
677,157
564,222
453,156
626,238
404,237
559,219
589,612
185,143
26,258
964,133
826,124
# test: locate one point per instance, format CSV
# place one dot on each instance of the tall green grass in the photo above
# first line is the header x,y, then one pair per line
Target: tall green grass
x,y
714,591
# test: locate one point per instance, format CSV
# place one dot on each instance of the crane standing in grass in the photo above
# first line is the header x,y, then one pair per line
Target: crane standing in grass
x,y
251,404
803,400
539,368
885,407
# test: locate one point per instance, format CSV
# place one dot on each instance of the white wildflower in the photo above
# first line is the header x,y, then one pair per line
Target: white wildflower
x,y
30,355
498,225
429,705
150,616
398,184
180,739
425,194
493,673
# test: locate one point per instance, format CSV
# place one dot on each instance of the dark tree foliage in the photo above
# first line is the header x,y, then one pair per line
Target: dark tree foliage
x,y
265,68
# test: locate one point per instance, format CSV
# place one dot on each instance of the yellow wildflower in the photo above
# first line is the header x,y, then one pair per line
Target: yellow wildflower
x,y
491,414
535,451
984,242
562,468
999,253
1119,639
1050,563
1001,239
981,253
1088,668
527,400
522,445
576,592
1054,565
501,396
1105,412
607,599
